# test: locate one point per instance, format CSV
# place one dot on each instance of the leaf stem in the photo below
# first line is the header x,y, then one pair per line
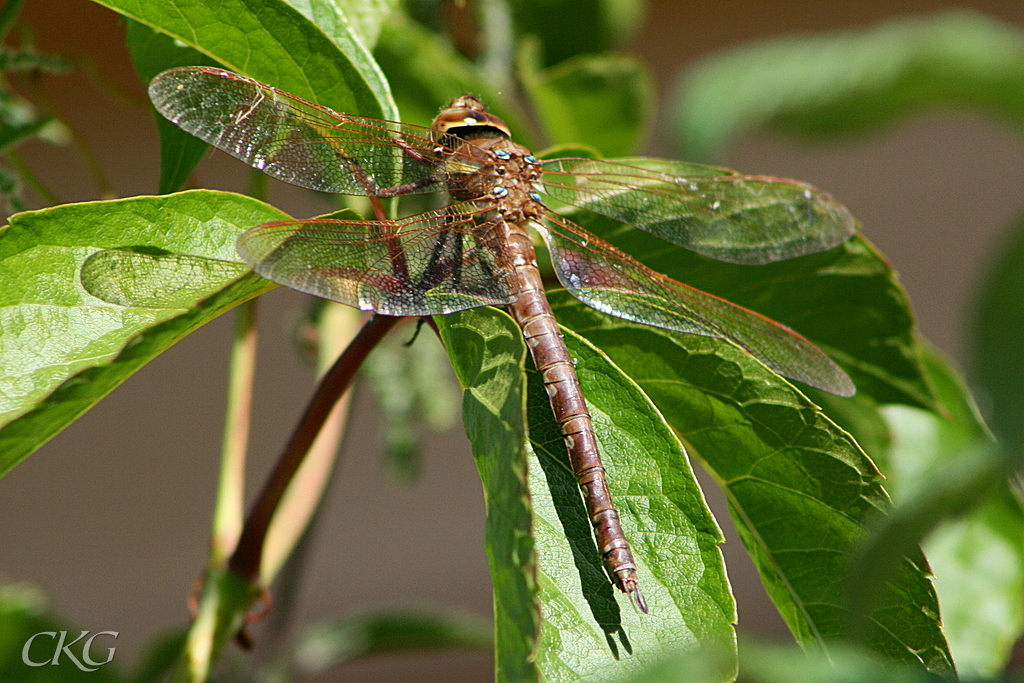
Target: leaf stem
x,y
258,183
32,180
336,326
497,43
246,559
228,515
291,533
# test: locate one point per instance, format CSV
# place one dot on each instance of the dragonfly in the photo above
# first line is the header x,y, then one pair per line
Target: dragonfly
x,y
477,249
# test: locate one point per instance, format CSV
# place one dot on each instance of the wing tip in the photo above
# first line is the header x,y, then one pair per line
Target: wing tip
x,y
835,381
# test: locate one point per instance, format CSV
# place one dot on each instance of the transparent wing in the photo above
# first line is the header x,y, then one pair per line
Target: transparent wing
x,y
295,140
712,211
430,264
609,280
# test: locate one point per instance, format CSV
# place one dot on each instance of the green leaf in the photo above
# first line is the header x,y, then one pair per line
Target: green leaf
x,y
602,100
799,488
331,643
426,72
998,343
152,52
133,280
781,663
979,575
487,351
946,470
363,17
273,42
585,633
590,631
347,21
688,665
161,267
852,81
570,27
860,416
847,300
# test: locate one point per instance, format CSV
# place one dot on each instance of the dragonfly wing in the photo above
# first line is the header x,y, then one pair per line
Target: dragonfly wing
x,y
605,278
712,211
430,264
293,139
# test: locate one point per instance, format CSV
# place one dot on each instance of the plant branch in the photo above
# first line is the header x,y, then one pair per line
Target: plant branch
x,y
228,515
33,181
258,183
336,326
248,554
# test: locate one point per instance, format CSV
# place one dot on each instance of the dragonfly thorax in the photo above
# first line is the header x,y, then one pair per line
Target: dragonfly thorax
x,y
504,176
487,166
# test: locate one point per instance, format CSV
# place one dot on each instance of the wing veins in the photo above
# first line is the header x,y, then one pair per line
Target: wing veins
x,y
787,352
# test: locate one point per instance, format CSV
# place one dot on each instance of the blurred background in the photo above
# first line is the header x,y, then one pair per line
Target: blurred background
x,y
111,518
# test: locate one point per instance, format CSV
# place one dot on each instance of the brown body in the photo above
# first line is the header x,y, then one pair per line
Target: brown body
x,y
514,206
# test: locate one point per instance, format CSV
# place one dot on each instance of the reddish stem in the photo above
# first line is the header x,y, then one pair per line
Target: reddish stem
x,y
245,561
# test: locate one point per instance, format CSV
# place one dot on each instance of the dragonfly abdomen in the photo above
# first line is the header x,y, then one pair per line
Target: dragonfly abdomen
x,y
558,372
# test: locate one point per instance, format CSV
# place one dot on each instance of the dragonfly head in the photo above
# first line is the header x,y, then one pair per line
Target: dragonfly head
x,y
467,117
